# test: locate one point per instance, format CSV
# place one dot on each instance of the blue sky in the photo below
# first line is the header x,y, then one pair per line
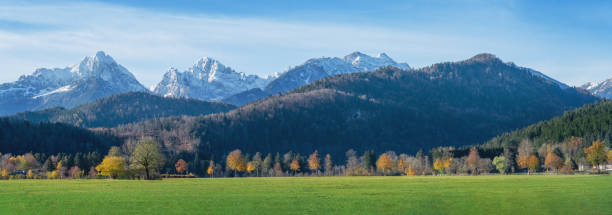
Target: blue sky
x,y
569,41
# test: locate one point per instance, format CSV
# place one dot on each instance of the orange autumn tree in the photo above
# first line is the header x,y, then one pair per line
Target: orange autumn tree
x,y
314,163
181,166
384,163
294,166
211,169
553,161
534,164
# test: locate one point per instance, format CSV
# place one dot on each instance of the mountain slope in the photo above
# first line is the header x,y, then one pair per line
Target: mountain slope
x,y
316,69
94,77
591,122
122,109
207,79
602,89
460,103
18,137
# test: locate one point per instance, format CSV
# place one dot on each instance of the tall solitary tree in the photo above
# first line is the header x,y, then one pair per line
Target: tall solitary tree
x,y
148,156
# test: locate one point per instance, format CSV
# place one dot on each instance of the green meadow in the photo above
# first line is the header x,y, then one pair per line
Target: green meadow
x,y
543,194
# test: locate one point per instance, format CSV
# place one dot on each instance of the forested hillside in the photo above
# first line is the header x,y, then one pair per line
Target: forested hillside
x,y
590,122
18,136
447,104
124,108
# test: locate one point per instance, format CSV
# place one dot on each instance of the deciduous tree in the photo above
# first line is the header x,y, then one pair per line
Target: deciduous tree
x,y
148,156
329,166
500,164
472,160
250,167
181,166
314,163
235,161
596,154
112,166
553,161
534,164
294,166
384,163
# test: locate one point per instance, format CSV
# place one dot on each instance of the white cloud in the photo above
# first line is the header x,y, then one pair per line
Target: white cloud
x,y
148,42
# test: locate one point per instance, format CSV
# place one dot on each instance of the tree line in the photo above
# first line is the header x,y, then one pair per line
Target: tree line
x,y
146,159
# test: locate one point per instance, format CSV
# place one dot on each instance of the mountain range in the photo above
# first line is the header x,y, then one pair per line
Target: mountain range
x,y
453,103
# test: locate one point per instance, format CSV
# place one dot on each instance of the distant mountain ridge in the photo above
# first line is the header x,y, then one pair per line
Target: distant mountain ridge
x,y
316,69
131,107
94,77
602,89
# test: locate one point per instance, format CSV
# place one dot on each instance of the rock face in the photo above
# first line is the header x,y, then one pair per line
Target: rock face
x,y
602,89
94,77
207,79
317,69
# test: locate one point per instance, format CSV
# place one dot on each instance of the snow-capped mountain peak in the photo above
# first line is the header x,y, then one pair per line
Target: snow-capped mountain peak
x,y
369,63
207,79
92,78
601,88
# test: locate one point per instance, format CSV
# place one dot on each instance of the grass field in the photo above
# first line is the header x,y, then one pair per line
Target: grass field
x,y
313,195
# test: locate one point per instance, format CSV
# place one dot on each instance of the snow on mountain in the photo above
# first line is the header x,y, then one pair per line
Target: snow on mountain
x,y
368,63
319,68
602,89
94,77
207,79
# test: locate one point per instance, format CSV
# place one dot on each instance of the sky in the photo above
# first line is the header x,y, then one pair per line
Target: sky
x,y
569,41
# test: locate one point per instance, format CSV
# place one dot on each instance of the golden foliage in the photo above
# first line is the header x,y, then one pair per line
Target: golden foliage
x,y
295,165
401,166
596,153
534,163
30,174
111,166
210,170
609,156
384,163
4,173
410,171
250,167
522,162
314,163
235,161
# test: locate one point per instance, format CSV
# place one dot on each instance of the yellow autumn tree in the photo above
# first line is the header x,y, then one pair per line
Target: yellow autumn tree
x,y
314,163
30,174
384,163
294,166
235,161
112,166
250,167
4,173
522,162
610,156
